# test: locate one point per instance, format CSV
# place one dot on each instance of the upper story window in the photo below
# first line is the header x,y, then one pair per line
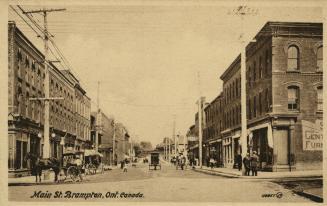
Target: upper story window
x,y
293,95
319,98
254,71
260,68
293,58
319,58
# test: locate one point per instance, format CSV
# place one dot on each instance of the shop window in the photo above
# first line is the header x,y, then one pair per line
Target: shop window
x,y
293,58
319,58
293,98
319,98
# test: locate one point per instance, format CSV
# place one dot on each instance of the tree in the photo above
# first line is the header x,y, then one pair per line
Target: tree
x,y
146,146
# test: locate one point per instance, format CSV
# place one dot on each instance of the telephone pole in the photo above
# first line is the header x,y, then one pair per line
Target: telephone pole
x,y
242,11
174,136
97,126
46,135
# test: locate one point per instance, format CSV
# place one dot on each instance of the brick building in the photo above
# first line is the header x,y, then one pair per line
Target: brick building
x,y
26,117
212,131
284,98
123,142
105,126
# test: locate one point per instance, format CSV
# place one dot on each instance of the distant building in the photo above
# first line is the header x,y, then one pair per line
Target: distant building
x,y
123,142
212,130
105,127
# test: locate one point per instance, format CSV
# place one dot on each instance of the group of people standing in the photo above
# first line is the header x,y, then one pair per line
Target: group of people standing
x,y
250,163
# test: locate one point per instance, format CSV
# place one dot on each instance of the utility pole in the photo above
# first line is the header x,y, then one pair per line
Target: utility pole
x,y
174,137
169,143
200,130
46,136
97,126
114,142
200,120
242,11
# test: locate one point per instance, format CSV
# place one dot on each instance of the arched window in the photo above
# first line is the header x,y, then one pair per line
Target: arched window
x,y
319,98
293,95
319,58
293,58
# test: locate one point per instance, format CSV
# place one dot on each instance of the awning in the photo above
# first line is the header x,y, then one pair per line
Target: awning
x,y
89,152
214,141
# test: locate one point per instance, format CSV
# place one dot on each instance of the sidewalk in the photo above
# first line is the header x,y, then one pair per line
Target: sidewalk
x,y
27,180
234,173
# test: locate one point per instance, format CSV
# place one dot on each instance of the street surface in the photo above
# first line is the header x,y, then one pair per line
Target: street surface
x,y
167,184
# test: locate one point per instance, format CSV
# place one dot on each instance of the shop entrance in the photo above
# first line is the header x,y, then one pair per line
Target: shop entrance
x,y
263,149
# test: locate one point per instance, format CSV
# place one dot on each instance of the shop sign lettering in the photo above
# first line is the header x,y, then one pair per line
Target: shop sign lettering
x,y
312,136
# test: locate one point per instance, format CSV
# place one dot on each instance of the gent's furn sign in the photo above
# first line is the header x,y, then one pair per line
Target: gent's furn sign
x,y
312,135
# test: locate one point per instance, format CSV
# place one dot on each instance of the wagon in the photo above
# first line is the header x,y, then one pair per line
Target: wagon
x,y
154,161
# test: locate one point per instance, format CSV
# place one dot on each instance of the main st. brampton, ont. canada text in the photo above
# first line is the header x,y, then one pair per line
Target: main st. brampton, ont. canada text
x,y
83,195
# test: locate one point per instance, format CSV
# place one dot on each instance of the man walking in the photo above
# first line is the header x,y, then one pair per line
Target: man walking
x,y
254,163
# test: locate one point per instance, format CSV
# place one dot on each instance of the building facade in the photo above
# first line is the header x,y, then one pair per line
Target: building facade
x,y
284,99
105,127
212,131
25,116
123,142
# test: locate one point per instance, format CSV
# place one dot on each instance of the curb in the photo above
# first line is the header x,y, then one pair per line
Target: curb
x,y
218,173
310,196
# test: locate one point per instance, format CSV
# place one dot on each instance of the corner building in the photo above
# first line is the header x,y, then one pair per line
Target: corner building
x,y
284,98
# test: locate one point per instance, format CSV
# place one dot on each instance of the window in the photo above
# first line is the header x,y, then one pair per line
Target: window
x,y
254,106
293,98
260,68
267,100
267,61
249,73
249,109
319,98
260,104
254,71
293,58
319,58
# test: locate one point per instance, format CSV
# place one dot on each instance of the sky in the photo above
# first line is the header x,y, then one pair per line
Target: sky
x,y
154,61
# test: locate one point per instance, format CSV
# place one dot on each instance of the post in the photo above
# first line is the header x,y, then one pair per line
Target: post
x,y
46,136
114,142
174,136
169,149
200,131
97,121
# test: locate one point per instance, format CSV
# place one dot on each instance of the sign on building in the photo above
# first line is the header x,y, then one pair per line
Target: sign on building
x,y
312,135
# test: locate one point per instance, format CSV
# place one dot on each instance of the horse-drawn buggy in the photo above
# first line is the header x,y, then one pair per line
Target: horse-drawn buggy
x,y
154,161
72,165
92,162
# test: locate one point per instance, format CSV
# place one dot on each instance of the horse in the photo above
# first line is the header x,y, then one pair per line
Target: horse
x,y
38,164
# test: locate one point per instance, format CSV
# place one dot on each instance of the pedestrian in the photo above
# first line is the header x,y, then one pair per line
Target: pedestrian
x,y
246,162
183,162
239,162
125,168
211,162
254,163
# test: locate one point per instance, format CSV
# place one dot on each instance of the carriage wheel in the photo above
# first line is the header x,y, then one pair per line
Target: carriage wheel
x,y
72,172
